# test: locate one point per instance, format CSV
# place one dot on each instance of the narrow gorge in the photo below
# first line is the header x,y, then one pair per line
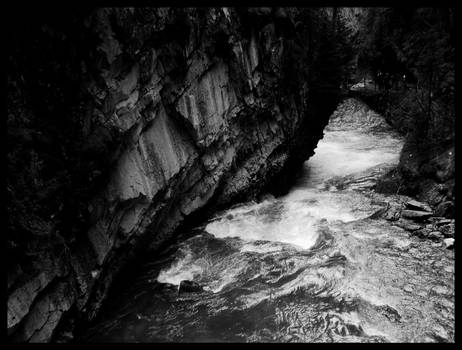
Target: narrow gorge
x,y
223,174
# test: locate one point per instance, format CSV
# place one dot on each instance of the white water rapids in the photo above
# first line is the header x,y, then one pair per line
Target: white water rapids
x,y
311,266
348,147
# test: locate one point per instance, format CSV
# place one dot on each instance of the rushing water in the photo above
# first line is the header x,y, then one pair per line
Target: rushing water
x,y
311,266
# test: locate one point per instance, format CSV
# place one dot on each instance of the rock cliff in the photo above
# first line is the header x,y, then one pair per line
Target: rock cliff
x,y
122,123
426,169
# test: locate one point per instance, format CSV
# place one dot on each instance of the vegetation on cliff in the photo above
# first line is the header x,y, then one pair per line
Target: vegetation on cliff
x,y
410,53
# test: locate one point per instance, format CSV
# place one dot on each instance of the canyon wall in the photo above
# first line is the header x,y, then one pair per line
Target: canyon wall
x,y
410,53
426,169
124,122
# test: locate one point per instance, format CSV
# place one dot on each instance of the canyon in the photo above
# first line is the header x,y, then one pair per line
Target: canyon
x,y
215,166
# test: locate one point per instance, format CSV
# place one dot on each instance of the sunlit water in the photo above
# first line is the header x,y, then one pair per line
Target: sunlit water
x,y
308,267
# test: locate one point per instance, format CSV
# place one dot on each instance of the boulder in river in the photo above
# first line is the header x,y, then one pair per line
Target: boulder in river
x,y
264,197
449,243
189,287
407,225
392,214
444,222
447,230
435,235
445,208
415,214
422,233
415,205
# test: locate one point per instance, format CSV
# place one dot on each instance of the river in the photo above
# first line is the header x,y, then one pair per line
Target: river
x,y
313,266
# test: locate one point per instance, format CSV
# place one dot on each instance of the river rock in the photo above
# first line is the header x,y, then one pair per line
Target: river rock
x,y
422,233
435,219
265,197
449,243
446,208
447,230
407,225
392,214
444,222
415,205
189,287
415,214
435,235
379,213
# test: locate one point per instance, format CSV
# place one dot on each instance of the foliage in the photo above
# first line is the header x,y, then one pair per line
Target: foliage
x,y
326,48
419,43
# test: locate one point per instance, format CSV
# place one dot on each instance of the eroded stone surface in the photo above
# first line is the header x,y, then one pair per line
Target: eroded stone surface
x,y
183,110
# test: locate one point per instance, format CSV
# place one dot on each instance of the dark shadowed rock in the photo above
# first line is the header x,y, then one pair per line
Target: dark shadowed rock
x,y
446,209
393,213
415,205
415,215
443,222
144,118
422,233
447,229
189,287
265,197
407,225
435,235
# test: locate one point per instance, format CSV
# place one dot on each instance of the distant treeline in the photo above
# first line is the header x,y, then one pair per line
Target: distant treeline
x,y
416,46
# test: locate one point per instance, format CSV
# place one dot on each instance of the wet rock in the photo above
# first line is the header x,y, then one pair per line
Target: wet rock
x,y
444,222
422,233
189,287
389,183
415,214
435,219
379,213
436,235
446,208
389,312
45,314
21,300
449,243
415,205
408,226
447,230
392,214
266,197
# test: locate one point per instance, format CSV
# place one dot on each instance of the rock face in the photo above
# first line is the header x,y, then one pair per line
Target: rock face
x,y
122,123
427,162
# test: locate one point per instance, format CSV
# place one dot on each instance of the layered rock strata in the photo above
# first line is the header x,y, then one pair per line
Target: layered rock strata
x,y
124,122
